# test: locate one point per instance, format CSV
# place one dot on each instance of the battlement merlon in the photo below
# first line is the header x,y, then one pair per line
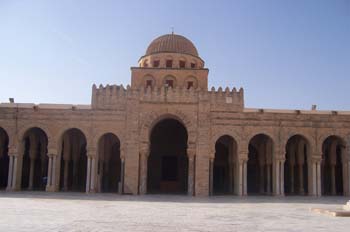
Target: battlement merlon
x,y
115,96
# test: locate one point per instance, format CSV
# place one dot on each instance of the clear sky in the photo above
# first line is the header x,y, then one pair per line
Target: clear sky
x,y
286,54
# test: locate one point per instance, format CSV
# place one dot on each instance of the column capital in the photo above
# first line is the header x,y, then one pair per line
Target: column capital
x,y
242,160
91,155
13,154
91,149
91,152
191,153
12,151
316,157
242,154
280,158
52,151
145,152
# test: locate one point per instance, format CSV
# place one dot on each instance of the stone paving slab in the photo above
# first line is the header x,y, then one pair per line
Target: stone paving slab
x,y
40,211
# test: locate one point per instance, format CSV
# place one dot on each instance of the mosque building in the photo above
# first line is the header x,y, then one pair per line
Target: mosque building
x,y
167,132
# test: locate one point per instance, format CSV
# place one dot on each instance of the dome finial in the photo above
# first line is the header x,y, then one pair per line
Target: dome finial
x,y
172,30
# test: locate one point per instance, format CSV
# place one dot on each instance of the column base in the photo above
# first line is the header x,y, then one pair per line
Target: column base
x,y
50,189
91,191
13,189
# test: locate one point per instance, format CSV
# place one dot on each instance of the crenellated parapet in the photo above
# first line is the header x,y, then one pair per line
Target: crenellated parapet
x,y
116,96
227,99
109,97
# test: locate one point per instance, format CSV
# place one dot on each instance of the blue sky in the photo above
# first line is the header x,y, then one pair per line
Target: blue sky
x,y
286,54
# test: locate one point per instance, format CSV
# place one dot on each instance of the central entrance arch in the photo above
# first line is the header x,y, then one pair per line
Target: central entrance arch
x,y
168,161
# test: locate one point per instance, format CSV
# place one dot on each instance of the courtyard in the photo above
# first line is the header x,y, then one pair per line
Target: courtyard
x,y
41,211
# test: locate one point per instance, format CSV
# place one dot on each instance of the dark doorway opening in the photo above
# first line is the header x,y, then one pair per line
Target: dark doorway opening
x,y
224,163
4,158
109,165
35,160
168,162
332,166
73,161
296,166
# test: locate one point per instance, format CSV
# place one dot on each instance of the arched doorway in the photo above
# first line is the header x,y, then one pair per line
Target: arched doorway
x,y
109,163
224,163
34,160
259,166
332,166
168,161
4,158
296,166
73,161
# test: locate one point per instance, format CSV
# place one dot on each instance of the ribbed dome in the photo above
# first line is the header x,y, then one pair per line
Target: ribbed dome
x,y
172,43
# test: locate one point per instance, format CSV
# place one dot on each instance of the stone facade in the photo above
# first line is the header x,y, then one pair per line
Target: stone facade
x,y
112,144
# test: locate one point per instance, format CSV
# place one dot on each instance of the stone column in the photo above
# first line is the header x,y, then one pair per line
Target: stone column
x,y
333,189
31,173
75,174
278,174
244,181
191,170
88,175
50,174
332,163
143,171
268,178
300,161
15,174
282,161
262,163
65,174
54,183
301,179
90,170
93,174
232,171
211,176
10,173
241,183
315,171
262,179
100,175
122,171
269,163
346,161
318,179
348,178
344,165
32,157
292,177
230,168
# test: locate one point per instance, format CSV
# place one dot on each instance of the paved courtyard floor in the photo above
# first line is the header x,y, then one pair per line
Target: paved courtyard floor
x,y
40,211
